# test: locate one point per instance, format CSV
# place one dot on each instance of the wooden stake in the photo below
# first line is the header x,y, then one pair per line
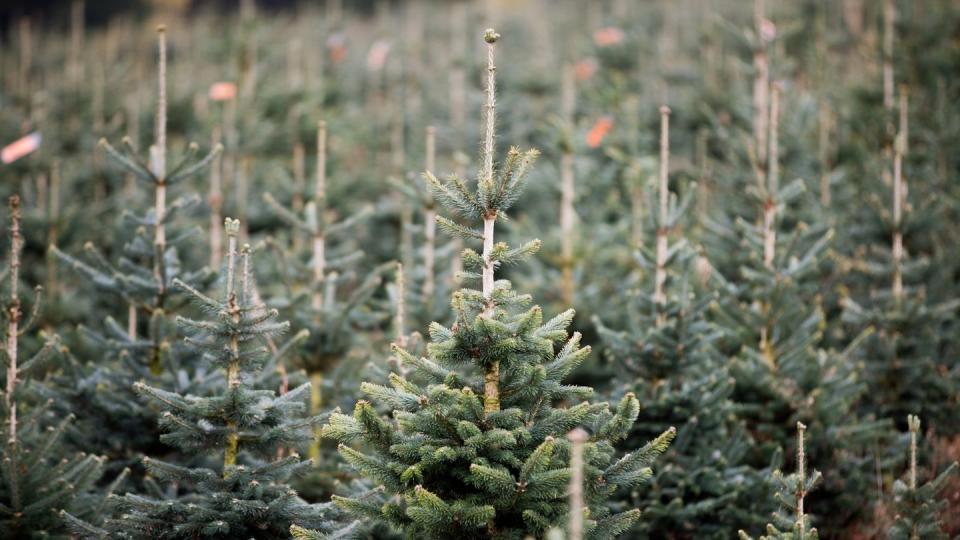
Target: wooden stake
x,y
399,324
491,385
429,224
232,227
761,84
320,208
13,315
578,437
773,183
567,185
660,275
802,478
159,161
899,191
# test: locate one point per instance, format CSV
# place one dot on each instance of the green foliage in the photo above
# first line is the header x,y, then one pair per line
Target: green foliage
x,y
38,476
248,495
476,444
917,508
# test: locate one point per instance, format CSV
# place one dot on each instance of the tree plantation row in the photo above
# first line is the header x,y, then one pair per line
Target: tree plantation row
x,y
507,270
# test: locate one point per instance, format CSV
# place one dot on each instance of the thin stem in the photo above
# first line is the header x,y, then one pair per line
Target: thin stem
x,y
400,308
761,83
233,367
801,477
577,439
159,160
491,385
567,185
131,321
316,401
429,223
215,200
490,108
899,187
770,207
319,206
299,182
13,314
660,274
243,187
913,422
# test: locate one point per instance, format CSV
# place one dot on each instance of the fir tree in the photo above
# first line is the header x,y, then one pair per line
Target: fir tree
x,y
37,478
783,370
476,444
790,493
247,496
917,507
908,365
324,295
668,353
142,279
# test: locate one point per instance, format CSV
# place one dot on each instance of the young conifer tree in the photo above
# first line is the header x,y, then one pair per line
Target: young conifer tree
x,y
917,508
791,491
783,370
143,347
667,353
475,445
907,369
323,292
247,495
37,477
428,285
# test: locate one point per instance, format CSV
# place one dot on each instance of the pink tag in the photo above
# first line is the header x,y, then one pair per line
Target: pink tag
x,y
608,36
377,57
223,91
21,147
768,30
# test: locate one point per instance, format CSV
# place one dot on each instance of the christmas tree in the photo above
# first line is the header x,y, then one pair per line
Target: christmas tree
x,y
142,279
774,327
37,478
476,444
791,491
247,495
907,363
668,354
917,507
